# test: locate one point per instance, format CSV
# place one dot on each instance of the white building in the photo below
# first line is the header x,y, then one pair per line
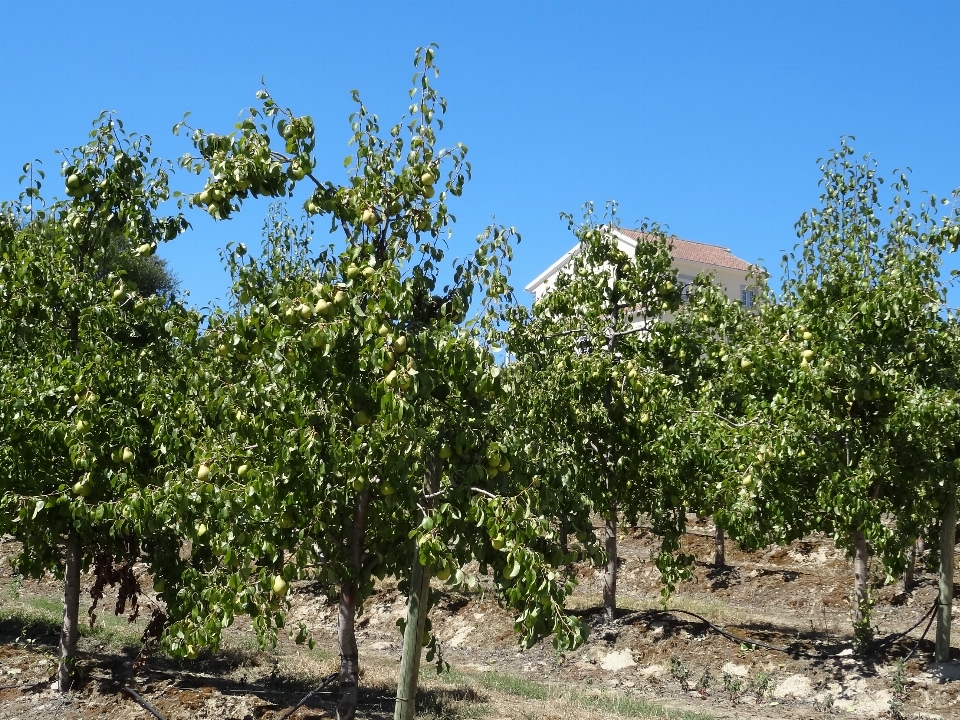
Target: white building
x,y
689,258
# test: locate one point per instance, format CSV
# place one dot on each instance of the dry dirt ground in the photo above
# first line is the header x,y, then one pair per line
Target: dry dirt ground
x,y
647,664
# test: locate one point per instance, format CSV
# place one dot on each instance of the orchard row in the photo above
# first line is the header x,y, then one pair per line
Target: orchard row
x,y
368,408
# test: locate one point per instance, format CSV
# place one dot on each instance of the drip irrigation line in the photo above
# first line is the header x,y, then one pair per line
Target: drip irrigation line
x,y
143,703
931,613
929,623
893,638
326,681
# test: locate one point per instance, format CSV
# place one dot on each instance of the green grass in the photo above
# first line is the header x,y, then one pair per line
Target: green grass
x,y
43,616
638,708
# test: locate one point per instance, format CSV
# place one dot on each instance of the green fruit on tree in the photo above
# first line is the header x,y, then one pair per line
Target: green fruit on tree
x,y
383,330
391,379
361,418
280,586
806,354
405,382
306,312
82,488
352,271
443,574
445,451
323,308
203,471
400,345
429,192
340,298
367,271
74,182
807,335
83,426
386,489
358,484
242,470
428,179
146,249
201,530
127,455
498,542
368,217
745,364
505,466
192,652
286,522
119,293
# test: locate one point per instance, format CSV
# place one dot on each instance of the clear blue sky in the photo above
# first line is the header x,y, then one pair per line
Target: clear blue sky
x,y
705,116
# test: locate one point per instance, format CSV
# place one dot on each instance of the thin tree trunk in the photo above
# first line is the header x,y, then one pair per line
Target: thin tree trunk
x,y
346,631
610,578
862,633
909,574
719,547
69,631
417,606
948,542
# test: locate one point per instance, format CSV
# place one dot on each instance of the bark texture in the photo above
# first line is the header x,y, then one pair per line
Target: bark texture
x,y
862,632
69,631
610,578
346,627
719,548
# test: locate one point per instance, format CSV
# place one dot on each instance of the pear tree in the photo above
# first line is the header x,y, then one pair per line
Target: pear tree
x,y
335,423
79,345
846,408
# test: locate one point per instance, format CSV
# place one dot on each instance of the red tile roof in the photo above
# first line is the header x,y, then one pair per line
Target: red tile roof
x,y
698,252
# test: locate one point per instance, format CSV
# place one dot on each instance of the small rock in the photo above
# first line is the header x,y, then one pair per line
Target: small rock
x,y
796,685
736,670
460,637
617,660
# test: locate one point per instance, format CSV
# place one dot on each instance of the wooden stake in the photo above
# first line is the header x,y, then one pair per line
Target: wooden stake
x,y
948,541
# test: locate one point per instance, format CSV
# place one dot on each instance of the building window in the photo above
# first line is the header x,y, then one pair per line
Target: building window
x,y
747,296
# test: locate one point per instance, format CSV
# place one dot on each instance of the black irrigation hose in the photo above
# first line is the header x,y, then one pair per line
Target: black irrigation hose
x,y
929,623
799,651
143,703
893,638
326,681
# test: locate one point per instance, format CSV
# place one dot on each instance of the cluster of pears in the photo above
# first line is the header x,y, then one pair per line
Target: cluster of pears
x,y
497,460
78,186
396,350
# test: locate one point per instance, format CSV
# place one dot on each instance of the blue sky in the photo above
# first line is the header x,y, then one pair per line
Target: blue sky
x,y
705,116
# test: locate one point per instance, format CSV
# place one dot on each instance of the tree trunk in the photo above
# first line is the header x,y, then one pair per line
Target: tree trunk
x,y
417,605
69,631
862,632
948,542
346,630
610,578
719,547
909,574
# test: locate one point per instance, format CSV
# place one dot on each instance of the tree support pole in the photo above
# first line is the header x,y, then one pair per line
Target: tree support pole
x,y
413,640
417,607
948,541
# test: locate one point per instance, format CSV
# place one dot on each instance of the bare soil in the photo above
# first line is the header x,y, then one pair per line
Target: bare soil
x,y
648,663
